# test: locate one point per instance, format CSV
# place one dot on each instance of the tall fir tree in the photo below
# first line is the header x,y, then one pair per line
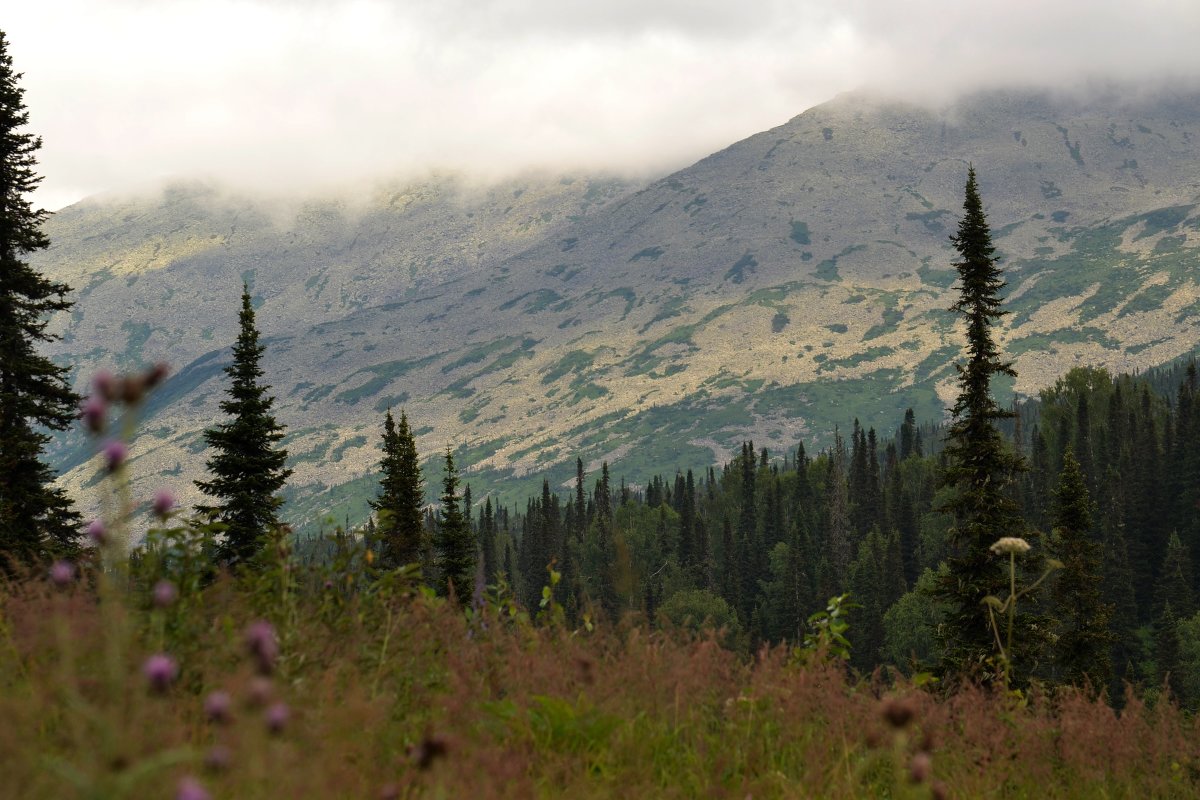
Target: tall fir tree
x,y
980,462
247,466
454,543
1082,650
401,492
37,520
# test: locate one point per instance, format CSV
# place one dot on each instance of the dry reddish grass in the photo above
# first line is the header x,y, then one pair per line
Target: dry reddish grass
x,y
400,695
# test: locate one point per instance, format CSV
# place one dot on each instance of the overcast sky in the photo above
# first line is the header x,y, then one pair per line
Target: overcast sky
x,y
292,94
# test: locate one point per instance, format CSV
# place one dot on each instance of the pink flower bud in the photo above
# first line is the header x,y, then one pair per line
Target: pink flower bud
x,y
114,454
165,593
277,717
164,501
218,758
105,385
94,414
62,573
190,789
262,644
97,532
217,707
160,671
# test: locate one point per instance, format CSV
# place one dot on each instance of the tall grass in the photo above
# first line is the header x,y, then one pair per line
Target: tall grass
x,y
394,693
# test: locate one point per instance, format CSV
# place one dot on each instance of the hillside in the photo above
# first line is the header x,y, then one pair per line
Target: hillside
x,y
786,284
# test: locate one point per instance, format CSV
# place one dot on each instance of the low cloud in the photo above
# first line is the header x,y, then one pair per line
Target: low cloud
x,y
287,95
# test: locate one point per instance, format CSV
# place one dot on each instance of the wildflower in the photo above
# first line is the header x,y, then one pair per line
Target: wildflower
x,y
133,387
277,717
114,454
93,413
1010,545
160,671
217,707
105,385
898,712
218,758
156,374
919,768
429,750
62,573
260,692
97,532
262,644
164,501
938,791
165,593
389,791
190,789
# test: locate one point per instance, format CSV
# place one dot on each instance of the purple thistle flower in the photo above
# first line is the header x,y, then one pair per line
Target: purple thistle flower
x,y
97,532
277,717
93,414
164,501
217,707
165,593
160,671
105,384
262,644
62,573
190,789
114,454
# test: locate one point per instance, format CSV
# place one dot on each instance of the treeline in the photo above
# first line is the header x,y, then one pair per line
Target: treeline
x,y
760,543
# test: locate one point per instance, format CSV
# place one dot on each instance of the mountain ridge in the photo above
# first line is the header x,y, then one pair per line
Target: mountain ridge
x,y
709,305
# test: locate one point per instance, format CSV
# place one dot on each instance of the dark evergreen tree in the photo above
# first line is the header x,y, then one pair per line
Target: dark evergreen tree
x,y
247,466
1082,649
487,542
37,519
1174,586
454,543
400,495
980,462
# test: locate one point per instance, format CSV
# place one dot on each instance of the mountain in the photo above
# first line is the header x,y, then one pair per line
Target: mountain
x,y
795,280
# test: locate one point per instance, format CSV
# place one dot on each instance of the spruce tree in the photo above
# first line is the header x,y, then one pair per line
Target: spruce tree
x,y
247,465
37,519
455,544
1082,649
980,462
400,495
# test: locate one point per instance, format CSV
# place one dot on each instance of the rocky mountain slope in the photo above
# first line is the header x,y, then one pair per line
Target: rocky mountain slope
x,y
788,283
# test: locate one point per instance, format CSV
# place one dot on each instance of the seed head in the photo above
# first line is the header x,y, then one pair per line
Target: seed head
x,y
217,707
133,388
160,671
190,789
898,711
114,454
1010,545
165,593
62,573
156,374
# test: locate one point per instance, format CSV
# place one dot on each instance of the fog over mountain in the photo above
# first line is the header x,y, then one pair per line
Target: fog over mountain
x,y
267,94
790,282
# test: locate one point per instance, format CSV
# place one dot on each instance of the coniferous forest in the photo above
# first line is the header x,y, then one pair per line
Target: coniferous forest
x,y
1001,602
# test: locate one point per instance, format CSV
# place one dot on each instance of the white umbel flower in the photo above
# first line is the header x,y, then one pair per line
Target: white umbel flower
x,y
1010,545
